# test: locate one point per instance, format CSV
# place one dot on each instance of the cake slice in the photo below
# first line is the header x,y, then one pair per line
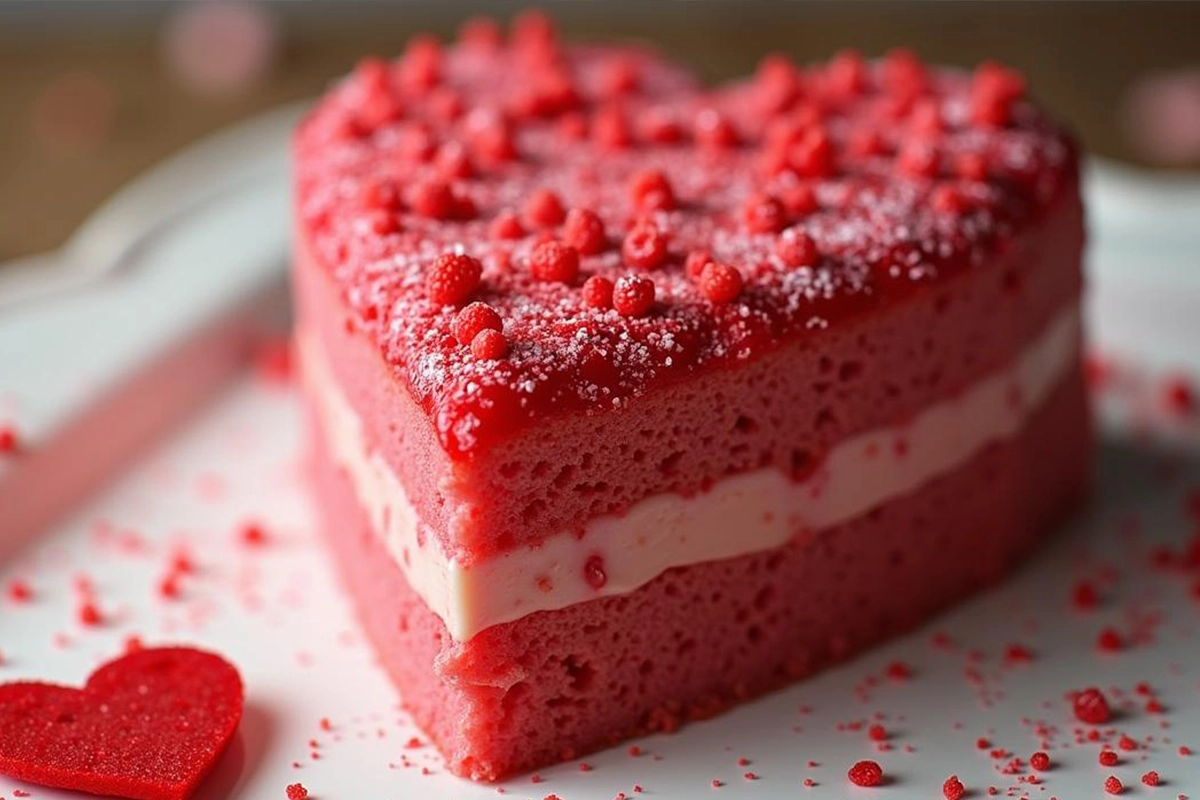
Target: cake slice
x,y
632,399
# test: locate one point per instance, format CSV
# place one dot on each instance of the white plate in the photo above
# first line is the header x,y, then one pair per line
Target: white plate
x,y
277,613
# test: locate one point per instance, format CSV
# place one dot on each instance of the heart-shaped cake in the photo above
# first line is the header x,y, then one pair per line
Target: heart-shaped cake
x,y
149,725
632,398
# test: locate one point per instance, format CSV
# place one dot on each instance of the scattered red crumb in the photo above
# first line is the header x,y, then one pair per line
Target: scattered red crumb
x,y
89,614
9,442
716,784
953,788
1084,596
877,733
1091,706
1154,706
413,743
1109,641
584,766
1040,761
273,359
1150,778
168,587
743,762
634,750
1126,743
1112,785
1179,396
252,534
1109,758
865,773
899,671
296,791
19,591
133,644
325,724
982,744
750,776
1184,750
1017,653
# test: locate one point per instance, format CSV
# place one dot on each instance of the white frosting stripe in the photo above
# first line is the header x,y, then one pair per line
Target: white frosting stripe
x,y
741,514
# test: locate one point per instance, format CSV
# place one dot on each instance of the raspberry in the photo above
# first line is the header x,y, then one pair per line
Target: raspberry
x,y
994,89
598,292
1112,785
1150,778
453,163
1109,641
584,231
1126,743
925,119
651,191
946,199
452,278
507,225
1108,758
381,195
720,283
381,223
433,200
799,200
1040,761
865,143
877,733
491,136
660,127
796,248
971,166
1091,707
633,296
480,33
544,209
903,73
489,345
813,155
865,773
296,791
644,246
610,129
473,319
846,73
764,214
713,130
953,788
554,261
8,440
695,263
918,159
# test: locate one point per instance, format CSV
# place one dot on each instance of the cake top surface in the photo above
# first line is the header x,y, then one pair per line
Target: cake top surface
x,y
525,228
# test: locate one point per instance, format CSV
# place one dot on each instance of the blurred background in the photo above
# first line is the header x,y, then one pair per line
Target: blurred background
x,y
94,91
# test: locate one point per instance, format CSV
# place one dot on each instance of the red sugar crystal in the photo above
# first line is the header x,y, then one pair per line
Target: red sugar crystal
x,y
1040,761
474,318
1112,785
1150,778
953,788
865,773
296,791
452,278
555,262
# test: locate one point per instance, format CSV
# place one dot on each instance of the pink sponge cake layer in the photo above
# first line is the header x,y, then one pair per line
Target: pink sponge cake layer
x,y
597,358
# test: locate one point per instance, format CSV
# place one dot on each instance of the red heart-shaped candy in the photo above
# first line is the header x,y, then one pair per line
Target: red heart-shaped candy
x,y
147,726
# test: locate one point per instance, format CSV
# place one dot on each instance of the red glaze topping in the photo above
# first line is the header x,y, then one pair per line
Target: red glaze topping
x,y
514,172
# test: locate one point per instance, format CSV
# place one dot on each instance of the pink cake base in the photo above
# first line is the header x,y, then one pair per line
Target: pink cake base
x,y
555,685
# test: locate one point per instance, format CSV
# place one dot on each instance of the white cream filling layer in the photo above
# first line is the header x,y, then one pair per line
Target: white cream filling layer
x,y
742,514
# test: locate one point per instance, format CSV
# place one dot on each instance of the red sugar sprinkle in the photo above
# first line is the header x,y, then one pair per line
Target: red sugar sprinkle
x,y
953,788
1091,706
1112,785
19,591
9,442
1084,596
865,773
89,614
253,534
554,262
1109,758
296,791
1109,641
1150,778
452,278
1040,761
